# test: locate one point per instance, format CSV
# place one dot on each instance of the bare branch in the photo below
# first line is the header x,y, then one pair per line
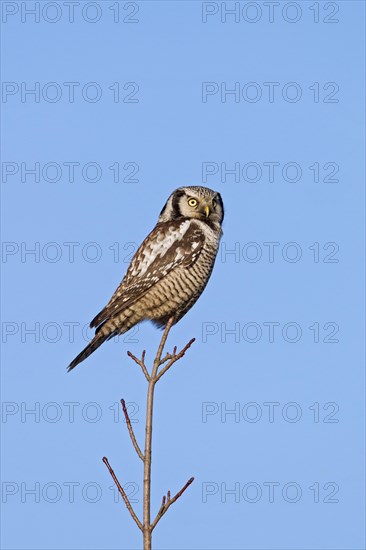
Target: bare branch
x,y
148,439
123,494
167,502
140,362
130,430
165,362
174,358
165,359
161,347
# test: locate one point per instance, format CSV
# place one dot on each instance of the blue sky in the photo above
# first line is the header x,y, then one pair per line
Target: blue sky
x,y
130,101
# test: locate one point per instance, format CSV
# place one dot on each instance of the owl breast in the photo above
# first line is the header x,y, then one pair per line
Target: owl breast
x,y
175,294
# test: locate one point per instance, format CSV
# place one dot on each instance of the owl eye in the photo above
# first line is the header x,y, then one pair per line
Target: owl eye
x,y
192,202
214,203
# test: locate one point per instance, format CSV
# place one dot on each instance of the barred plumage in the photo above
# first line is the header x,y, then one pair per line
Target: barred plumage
x,y
169,270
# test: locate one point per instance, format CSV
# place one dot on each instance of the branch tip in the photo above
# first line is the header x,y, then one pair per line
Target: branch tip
x,y
123,494
168,501
141,363
130,430
175,357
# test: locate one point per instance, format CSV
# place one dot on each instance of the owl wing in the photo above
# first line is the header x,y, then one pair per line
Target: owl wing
x,y
167,247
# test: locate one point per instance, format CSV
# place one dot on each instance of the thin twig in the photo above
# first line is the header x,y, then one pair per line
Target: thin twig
x,y
167,502
130,430
165,359
175,358
161,346
140,362
123,494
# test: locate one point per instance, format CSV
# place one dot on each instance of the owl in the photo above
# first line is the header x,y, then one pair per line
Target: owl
x,y
170,269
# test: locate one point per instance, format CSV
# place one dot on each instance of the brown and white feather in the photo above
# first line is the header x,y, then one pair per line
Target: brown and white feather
x,y
168,272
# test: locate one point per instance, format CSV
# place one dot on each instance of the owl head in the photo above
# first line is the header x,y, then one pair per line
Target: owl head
x,y
194,202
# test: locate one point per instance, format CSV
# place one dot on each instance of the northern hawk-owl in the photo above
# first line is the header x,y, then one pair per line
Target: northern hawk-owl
x,y
170,269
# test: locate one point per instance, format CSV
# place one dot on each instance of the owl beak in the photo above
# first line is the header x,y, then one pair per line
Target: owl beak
x,y
207,211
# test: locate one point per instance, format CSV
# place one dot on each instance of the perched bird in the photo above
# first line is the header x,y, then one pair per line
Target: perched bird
x,y
170,269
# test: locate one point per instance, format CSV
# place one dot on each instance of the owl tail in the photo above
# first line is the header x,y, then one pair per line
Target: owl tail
x,y
97,341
